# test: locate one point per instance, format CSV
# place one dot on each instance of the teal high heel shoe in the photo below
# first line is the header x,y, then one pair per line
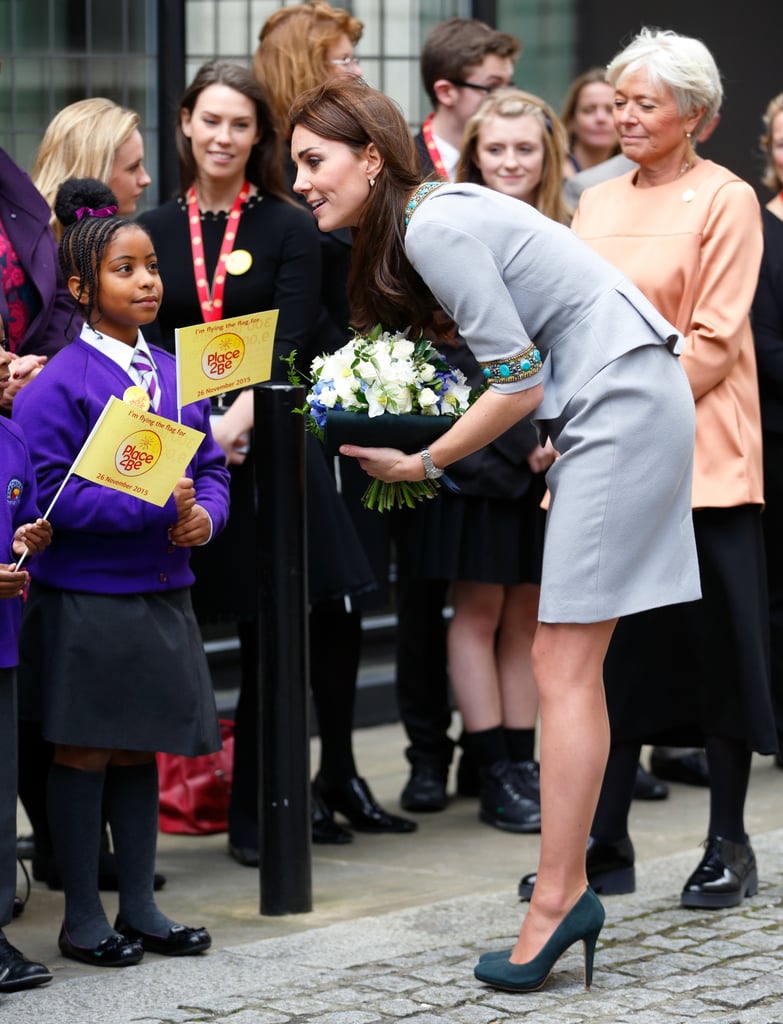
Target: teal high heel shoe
x,y
583,921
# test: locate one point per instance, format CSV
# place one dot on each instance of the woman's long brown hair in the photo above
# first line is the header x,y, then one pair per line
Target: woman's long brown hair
x,y
383,287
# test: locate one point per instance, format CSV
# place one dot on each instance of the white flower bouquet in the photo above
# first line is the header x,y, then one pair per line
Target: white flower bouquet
x,y
385,390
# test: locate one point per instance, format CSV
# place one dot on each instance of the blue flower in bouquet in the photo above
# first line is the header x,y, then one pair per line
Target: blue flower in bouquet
x,y
385,373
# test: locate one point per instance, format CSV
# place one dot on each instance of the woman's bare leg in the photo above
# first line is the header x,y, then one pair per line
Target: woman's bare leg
x,y
518,624
568,668
473,667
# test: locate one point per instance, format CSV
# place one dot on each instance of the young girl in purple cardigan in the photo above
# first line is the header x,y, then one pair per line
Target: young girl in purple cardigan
x,y
111,658
22,532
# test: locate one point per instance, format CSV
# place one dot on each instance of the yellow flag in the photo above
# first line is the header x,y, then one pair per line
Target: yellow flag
x,y
221,356
136,452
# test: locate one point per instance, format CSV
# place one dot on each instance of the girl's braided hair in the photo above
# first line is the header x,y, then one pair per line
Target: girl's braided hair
x,y
84,207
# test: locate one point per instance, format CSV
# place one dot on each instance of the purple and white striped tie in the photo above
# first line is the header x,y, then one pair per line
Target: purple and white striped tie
x,y
142,364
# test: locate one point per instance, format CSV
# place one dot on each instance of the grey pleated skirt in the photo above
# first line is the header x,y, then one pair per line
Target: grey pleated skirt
x,y
116,671
619,532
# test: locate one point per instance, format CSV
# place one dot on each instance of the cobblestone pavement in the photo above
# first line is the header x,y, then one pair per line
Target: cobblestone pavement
x,y
656,964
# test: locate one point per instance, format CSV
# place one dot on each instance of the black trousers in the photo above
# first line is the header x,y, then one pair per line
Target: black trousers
x,y
771,521
422,671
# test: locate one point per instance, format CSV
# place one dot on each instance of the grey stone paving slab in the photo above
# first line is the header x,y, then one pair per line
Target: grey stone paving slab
x,y
656,964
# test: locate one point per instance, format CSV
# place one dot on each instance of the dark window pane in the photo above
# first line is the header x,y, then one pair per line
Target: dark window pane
x,y
108,22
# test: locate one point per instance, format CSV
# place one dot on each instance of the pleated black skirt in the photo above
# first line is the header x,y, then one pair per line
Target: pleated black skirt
x,y
475,539
119,671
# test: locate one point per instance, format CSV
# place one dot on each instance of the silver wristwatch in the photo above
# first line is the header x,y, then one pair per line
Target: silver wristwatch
x,y
431,471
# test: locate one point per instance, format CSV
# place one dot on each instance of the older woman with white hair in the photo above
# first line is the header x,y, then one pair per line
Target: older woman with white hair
x,y
688,233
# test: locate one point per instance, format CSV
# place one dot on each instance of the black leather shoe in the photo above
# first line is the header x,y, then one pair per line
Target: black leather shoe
x,y
355,802
247,856
425,790
724,877
529,777
180,940
323,828
648,787
506,802
17,972
690,768
113,951
610,869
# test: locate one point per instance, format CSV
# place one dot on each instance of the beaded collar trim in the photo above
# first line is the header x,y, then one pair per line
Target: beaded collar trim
x,y
507,371
418,196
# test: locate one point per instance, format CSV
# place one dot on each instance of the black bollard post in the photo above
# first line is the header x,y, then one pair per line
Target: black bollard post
x,y
283,679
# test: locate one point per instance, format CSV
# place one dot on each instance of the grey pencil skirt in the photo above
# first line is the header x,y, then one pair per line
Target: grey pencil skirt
x,y
619,532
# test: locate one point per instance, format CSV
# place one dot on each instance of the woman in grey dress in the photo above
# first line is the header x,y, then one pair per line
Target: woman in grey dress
x,y
560,331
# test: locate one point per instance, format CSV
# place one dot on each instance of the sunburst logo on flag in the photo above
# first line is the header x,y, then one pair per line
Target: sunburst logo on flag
x,y
222,356
138,453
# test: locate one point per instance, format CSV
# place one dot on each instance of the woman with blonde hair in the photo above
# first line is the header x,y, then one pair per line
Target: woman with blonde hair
x,y
517,126
301,46
92,138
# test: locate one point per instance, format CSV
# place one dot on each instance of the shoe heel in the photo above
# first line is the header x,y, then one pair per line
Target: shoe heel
x,y
589,945
615,882
753,884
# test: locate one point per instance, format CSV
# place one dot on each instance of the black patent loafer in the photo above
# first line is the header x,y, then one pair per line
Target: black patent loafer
x,y
323,828
17,973
180,940
725,876
355,802
610,869
113,951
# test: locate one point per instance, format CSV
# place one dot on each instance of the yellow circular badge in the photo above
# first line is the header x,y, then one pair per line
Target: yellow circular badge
x,y
238,262
137,397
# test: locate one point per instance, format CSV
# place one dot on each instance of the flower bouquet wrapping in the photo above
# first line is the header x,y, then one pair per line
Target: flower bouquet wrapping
x,y
384,390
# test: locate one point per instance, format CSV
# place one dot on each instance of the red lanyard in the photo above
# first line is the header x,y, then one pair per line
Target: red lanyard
x,y
211,300
432,149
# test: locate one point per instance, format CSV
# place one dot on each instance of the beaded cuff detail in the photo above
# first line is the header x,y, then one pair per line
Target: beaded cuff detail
x,y
506,371
421,193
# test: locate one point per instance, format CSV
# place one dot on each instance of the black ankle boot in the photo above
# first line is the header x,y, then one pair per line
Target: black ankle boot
x,y
425,789
507,801
610,869
725,876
